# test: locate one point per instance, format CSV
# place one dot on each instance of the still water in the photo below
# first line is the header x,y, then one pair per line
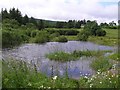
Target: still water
x,y
35,54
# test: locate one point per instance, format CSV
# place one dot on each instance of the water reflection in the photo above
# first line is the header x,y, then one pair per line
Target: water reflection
x,y
35,54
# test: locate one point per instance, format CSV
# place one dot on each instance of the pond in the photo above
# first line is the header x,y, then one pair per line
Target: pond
x,y
35,54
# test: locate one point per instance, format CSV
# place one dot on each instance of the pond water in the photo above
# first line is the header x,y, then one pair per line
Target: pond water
x,y
35,54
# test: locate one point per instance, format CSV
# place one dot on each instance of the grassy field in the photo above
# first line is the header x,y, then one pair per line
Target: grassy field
x,y
111,38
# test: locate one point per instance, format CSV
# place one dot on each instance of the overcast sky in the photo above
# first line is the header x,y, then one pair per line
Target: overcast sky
x,y
100,10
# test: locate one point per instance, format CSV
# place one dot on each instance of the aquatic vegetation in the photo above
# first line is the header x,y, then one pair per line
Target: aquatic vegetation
x,y
75,55
60,56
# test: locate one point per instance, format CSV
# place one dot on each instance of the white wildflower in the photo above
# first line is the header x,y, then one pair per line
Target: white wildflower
x,y
91,85
100,82
55,77
29,84
85,77
112,75
41,86
98,72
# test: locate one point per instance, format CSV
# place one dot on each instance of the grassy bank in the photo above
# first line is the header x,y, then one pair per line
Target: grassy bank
x,y
18,74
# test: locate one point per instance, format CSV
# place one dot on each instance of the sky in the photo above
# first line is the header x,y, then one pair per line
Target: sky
x,y
64,10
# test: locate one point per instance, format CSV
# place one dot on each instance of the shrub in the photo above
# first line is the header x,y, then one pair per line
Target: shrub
x,y
56,34
41,37
64,32
83,35
60,39
100,32
11,38
34,33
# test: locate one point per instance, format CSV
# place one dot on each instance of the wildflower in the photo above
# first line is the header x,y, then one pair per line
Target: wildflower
x,y
41,86
29,84
110,81
112,75
109,78
100,82
98,72
91,85
86,77
55,77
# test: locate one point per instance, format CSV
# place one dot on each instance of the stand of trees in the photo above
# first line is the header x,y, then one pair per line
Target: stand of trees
x,y
39,23
15,14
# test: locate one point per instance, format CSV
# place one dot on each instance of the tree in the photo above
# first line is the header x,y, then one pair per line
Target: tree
x,y
4,14
25,20
78,24
32,20
93,28
40,24
71,24
15,14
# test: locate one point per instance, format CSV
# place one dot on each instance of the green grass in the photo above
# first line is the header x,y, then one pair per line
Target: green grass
x,y
18,74
111,38
60,56
115,56
101,63
63,56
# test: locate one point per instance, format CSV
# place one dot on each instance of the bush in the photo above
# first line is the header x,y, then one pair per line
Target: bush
x,y
83,35
34,33
60,39
41,37
11,38
56,34
64,32
100,32
94,29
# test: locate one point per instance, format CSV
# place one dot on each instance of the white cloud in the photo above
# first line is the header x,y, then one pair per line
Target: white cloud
x,y
65,9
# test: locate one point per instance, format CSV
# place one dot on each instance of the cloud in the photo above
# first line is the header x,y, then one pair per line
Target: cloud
x,y
65,9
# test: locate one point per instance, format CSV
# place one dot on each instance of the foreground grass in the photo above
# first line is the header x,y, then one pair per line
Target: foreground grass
x,y
18,74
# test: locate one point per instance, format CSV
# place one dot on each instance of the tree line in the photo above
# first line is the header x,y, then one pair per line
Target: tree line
x,y
41,24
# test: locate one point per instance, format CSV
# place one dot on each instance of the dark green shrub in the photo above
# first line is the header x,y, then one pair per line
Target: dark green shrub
x,y
64,32
100,33
11,38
